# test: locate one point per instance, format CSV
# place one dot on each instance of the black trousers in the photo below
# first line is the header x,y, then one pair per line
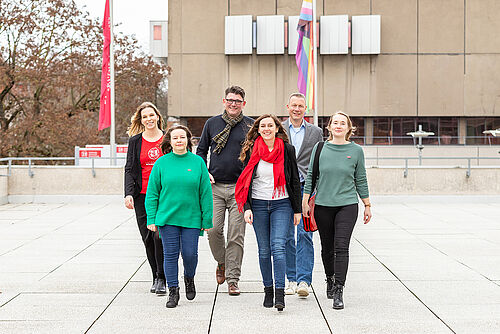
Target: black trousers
x,y
335,226
151,240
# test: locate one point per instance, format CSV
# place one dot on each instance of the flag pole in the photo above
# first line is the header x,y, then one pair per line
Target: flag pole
x,y
315,63
112,144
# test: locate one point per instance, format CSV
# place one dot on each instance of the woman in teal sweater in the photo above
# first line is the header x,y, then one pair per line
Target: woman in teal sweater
x,y
342,177
179,203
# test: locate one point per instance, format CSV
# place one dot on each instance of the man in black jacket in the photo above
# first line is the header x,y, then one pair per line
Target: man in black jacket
x,y
223,136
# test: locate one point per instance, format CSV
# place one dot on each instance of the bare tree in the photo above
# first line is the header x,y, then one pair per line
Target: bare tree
x,y
50,70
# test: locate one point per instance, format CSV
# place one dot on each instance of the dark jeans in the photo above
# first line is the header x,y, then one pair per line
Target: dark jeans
x,y
151,240
300,258
271,221
335,226
177,240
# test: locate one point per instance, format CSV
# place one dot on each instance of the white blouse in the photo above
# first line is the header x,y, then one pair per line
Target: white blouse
x,y
263,183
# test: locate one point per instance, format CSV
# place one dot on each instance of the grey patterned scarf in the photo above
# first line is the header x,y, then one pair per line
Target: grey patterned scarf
x,y
221,137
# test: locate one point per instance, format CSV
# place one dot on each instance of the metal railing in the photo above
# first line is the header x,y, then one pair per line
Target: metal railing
x,y
431,140
31,160
406,159
410,141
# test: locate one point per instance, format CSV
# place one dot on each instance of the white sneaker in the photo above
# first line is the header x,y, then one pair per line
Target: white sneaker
x,y
303,289
291,289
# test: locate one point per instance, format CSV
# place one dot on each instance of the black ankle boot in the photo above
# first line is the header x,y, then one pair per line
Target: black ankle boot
x,y
338,300
268,296
153,287
173,297
190,288
279,299
161,288
329,287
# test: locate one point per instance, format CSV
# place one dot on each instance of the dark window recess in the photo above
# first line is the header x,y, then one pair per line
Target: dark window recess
x,y
400,127
475,128
195,124
448,131
381,130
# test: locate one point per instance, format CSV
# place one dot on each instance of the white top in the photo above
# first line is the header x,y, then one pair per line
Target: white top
x,y
263,183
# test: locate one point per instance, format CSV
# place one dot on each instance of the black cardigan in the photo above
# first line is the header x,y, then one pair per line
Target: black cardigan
x,y
133,170
291,178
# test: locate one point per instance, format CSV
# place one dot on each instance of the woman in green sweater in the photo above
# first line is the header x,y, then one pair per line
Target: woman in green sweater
x,y
179,204
342,177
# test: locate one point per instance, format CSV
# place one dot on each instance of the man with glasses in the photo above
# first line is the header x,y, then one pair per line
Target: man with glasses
x,y
300,258
223,135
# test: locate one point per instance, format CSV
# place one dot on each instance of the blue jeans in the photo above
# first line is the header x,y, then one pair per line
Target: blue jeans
x,y
270,222
300,259
177,240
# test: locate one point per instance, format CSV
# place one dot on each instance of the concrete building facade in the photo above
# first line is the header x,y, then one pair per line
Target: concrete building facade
x,y
439,66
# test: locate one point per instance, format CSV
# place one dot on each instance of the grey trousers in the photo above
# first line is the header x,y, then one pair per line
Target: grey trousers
x,y
230,253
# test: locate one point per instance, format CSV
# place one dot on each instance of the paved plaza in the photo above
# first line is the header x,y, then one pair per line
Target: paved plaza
x,y
424,265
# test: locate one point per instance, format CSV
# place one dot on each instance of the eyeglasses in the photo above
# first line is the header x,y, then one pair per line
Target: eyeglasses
x,y
237,102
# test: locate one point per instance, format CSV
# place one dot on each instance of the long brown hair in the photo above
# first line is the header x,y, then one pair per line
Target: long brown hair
x,y
166,144
136,126
351,130
253,133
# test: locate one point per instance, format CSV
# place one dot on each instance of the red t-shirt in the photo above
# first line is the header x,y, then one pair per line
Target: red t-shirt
x,y
150,152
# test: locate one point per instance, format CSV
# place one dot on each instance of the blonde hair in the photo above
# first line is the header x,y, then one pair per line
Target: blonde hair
x,y
136,126
351,130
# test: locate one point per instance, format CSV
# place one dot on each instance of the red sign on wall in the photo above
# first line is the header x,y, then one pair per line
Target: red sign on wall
x,y
121,149
90,153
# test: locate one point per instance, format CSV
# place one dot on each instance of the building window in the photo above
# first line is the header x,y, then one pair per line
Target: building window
x,y
382,130
359,134
448,131
400,127
475,128
429,124
157,32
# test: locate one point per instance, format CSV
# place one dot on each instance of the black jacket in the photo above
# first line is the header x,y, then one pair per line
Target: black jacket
x,y
291,178
133,169
224,166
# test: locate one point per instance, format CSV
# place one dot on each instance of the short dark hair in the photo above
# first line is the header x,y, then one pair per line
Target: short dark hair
x,y
299,95
236,90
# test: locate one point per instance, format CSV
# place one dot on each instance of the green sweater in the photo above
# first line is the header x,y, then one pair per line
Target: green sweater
x,y
342,175
179,192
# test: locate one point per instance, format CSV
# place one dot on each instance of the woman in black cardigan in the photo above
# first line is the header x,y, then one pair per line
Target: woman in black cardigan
x,y
268,190
143,151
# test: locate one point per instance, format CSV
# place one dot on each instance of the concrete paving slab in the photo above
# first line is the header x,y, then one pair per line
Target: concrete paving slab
x,y
42,307
456,293
299,316
148,314
6,297
89,254
488,266
394,306
44,326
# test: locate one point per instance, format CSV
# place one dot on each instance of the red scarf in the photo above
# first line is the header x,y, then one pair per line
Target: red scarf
x,y
261,152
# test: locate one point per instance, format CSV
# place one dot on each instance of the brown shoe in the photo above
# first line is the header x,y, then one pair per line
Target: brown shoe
x,y
233,289
220,273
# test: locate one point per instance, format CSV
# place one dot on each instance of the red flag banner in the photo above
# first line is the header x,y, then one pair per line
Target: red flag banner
x,y
105,108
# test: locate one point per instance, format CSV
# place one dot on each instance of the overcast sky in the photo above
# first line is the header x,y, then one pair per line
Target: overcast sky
x,y
134,16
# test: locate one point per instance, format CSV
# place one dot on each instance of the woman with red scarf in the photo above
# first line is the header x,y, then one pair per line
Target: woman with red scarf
x,y
268,190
